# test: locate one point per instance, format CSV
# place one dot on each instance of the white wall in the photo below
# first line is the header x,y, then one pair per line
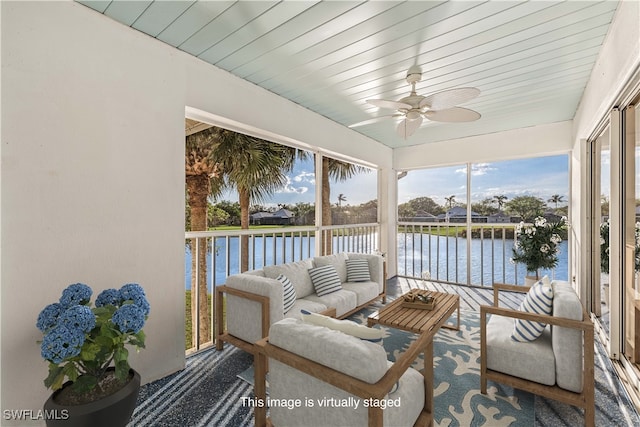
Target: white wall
x,y
617,66
92,182
540,140
93,172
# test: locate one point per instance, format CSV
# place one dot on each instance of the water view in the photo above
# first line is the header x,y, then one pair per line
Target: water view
x,y
419,255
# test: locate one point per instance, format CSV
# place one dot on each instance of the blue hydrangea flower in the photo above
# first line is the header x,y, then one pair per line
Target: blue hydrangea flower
x,y
61,343
134,292
48,317
75,294
78,317
129,318
109,297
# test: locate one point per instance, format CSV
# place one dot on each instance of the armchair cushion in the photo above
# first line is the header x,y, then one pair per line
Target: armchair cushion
x,y
325,279
566,341
533,361
336,350
538,300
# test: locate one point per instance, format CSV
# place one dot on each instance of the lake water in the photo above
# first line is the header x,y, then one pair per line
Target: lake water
x,y
424,255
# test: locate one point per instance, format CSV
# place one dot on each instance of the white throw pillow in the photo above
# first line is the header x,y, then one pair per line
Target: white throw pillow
x,y
358,270
347,326
325,279
289,292
538,300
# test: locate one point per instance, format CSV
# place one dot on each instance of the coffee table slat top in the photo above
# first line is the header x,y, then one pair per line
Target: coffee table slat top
x,y
417,320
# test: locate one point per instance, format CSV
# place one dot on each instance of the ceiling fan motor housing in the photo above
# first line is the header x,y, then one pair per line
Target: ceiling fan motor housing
x,y
414,75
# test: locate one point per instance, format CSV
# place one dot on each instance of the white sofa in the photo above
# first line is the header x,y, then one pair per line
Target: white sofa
x,y
255,299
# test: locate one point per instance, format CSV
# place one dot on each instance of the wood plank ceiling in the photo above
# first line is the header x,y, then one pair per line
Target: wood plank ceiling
x,y
531,60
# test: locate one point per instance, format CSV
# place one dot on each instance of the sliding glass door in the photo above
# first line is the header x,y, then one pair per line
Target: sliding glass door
x,y
631,231
615,225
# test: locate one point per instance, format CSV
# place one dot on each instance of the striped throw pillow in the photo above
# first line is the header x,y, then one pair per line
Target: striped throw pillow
x,y
325,279
289,292
539,300
358,270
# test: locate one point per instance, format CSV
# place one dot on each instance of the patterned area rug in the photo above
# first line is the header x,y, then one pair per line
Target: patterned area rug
x,y
456,358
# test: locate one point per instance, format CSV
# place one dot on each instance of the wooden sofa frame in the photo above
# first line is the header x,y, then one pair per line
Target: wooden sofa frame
x,y
223,335
345,382
585,399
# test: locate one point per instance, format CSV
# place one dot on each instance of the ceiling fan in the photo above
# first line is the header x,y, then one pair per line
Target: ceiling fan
x,y
439,107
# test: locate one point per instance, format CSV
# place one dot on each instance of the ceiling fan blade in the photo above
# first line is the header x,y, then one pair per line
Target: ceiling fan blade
x,y
394,105
453,115
407,127
449,98
375,120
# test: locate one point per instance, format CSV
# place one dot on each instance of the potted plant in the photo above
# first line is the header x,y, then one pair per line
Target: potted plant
x,y
87,347
537,244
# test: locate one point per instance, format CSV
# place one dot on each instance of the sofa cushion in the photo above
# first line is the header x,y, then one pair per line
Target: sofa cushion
x,y
325,279
533,361
337,260
343,301
305,304
358,270
365,291
538,300
349,327
289,296
297,272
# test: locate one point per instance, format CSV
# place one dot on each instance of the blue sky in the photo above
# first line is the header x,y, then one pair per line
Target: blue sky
x,y
541,177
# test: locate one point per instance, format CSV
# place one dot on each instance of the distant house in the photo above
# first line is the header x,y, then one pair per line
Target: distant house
x,y
422,216
502,217
279,217
459,214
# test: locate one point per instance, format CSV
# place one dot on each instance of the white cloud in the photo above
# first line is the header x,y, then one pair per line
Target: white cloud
x,y
477,169
308,177
290,188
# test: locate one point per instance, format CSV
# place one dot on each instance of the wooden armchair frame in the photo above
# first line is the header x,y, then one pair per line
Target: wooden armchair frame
x,y
342,381
585,399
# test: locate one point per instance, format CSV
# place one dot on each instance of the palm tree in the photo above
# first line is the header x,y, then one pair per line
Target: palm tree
x,y
338,171
450,200
203,179
500,200
341,198
556,198
256,168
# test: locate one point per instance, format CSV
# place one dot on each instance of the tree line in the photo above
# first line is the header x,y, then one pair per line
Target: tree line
x,y
525,207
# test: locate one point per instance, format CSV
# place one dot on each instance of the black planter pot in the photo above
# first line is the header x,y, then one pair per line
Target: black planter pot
x,y
112,411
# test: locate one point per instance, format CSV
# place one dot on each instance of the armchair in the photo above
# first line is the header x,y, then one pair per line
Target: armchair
x,y
559,364
330,378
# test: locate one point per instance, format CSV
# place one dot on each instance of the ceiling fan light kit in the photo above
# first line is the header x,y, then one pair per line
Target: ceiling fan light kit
x,y
439,106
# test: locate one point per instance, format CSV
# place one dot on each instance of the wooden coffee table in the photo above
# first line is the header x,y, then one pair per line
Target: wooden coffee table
x,y
418,320
425,323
